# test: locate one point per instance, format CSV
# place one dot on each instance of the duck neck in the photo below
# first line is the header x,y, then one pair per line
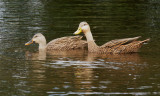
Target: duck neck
x,y
89,36
42,45
92,46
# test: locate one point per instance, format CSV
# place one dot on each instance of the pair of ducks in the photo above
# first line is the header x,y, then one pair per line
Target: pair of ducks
x,y
127,45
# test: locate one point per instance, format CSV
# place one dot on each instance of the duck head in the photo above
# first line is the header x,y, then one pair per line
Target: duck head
x,y
37,38
83,27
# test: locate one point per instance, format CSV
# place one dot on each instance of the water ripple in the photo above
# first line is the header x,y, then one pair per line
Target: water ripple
x,y
84,64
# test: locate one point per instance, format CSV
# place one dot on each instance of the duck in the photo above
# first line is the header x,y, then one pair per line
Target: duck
x,y
117,46
59,44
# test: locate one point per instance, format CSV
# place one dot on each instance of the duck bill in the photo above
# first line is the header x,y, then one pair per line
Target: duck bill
x,y
29,42
78,31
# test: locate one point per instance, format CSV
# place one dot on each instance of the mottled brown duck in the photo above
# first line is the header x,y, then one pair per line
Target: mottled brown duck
x,y
127,45
59,44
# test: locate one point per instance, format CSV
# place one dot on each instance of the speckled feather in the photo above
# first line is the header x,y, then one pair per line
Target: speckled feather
x,y
67,43
127,45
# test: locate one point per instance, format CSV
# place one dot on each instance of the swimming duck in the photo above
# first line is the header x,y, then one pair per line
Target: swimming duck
x,y
127,45
60,44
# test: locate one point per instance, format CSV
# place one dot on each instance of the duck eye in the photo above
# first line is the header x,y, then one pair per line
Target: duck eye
x,y
36,36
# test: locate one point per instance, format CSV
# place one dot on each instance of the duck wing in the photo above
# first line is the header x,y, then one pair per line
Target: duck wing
x,y
131,47
67,43
118,42
127,45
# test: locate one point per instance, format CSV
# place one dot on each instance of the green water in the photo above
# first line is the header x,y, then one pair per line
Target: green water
x,y
24,73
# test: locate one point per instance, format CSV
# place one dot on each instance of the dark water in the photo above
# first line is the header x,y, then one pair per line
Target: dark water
x,y
24,73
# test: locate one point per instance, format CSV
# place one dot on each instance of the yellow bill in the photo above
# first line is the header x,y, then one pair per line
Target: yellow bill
x,y
78,31
30,42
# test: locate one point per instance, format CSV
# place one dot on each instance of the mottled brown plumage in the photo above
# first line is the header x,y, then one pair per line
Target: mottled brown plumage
x,y
67,43
60,44
127,45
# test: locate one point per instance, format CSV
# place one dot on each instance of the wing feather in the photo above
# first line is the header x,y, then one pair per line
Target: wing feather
x,y
118,42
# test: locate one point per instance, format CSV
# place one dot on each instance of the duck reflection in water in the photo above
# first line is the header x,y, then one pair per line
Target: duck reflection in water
x,y
133,57
55,55
40,55
112,68
85,72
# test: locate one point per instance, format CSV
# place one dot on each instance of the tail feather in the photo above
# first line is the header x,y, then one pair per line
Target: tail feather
x,y
137,37
144,41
